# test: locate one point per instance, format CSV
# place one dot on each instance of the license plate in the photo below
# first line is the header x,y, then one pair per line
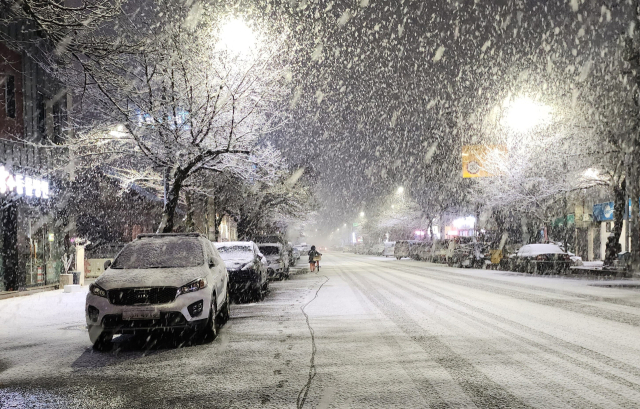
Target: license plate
x,y
140,315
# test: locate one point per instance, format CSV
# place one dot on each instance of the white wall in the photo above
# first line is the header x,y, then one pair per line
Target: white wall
x,y
604,235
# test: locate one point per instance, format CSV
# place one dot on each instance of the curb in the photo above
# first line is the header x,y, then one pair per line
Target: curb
x,y
12,294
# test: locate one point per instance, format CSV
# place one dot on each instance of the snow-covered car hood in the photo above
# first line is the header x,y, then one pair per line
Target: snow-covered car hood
x,y
532,250
237,263
150,277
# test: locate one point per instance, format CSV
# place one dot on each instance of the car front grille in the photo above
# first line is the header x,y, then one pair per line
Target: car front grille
x,y
142,296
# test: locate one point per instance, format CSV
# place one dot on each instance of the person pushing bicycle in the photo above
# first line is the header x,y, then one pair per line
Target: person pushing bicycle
x,y
314,259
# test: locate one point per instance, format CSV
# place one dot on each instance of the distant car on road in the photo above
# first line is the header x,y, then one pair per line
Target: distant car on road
x,y
247,269
401,249
277,260
167,282
389,248
541,258
377,249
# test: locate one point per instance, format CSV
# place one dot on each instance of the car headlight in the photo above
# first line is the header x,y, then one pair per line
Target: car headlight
x,y
195,285
97,290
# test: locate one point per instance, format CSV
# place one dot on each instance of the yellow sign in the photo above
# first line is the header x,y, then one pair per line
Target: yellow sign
x,y
477,158
496,256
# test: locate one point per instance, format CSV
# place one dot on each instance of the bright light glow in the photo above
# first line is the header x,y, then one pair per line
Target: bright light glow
x,y
345,225
23,185
400,190
420,233
523,114
464,223
361,214
237,37
591,173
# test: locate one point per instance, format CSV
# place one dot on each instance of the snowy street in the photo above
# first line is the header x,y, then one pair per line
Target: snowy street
x,y
387,333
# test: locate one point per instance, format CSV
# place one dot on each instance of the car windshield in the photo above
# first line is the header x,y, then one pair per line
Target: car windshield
x,y
269,250
235,252
160,253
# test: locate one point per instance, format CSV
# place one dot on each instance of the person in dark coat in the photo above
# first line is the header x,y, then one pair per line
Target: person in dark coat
x,y
313,253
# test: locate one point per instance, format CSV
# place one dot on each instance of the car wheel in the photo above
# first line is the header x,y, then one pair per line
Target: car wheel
x,y
225,312
210,330
103,343
258,294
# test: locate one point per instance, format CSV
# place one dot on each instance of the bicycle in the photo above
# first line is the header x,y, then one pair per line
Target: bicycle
x,y
316,260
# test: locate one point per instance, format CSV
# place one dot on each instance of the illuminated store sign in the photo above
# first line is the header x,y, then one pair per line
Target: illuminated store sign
x,y
23,185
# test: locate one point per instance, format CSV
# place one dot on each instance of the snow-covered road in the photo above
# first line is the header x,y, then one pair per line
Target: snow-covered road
x,y
387,333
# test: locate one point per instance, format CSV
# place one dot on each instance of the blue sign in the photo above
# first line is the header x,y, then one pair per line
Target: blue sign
x,y
603,212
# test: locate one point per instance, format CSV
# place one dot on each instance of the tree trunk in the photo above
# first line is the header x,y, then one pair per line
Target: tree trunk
x,y
613,242
173,197
188,222
634,224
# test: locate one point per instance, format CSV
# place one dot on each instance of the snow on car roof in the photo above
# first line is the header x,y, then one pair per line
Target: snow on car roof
x,y
269,244
540,248
232,243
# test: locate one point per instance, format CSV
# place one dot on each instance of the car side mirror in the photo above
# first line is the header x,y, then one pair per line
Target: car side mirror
x,y
107,264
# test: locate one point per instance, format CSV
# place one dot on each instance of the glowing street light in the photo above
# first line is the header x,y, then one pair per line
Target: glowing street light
x,y
400,190
236,36
361,214
523,114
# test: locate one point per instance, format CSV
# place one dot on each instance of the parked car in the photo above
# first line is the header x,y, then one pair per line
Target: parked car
x,y
247,269
423,251
376,249
303,249
413,249
165,282
401,249
466,252
294,256
439,251
389,249
540,258
277,260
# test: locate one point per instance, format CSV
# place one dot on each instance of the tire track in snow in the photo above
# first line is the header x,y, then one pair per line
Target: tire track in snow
x,y
576,399
302,395
603,359
423,386
577,306
482,390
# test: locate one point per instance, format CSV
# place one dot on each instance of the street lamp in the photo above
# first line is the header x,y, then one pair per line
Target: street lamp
x,y
400,190
236,36
361,214
523,114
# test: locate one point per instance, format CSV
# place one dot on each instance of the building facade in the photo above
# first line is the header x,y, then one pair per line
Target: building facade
x,y
33,112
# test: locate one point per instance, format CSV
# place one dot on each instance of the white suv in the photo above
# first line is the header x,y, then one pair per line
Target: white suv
x,y
169,282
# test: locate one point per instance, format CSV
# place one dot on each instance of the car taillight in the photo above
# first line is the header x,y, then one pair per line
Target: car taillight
x,y
541,257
